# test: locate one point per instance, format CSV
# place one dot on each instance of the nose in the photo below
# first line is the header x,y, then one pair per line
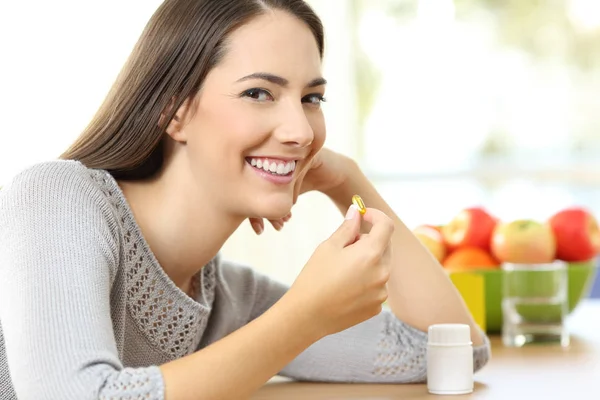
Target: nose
x,y
295,128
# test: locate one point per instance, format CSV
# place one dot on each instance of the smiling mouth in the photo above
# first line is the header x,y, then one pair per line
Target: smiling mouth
x,y
274,167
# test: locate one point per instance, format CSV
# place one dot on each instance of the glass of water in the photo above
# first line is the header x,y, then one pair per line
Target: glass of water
x,y
535,304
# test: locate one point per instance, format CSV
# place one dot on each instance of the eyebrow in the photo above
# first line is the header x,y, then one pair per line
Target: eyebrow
x,y
278,80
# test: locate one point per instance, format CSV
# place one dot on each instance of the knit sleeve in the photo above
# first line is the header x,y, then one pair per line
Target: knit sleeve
x,y
382,349
58,257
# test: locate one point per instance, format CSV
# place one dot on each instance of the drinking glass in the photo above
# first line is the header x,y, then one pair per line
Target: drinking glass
x,y
535,304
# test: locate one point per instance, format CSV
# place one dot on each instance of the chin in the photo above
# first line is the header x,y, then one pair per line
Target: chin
x,y
276,211
275,207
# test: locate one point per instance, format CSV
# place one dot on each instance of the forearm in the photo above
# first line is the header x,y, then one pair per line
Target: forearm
x,y
420,292
239,364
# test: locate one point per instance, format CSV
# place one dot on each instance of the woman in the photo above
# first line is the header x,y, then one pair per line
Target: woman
x,y
111,285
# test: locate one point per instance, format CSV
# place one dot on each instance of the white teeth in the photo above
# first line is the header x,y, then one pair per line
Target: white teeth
x,y
279,168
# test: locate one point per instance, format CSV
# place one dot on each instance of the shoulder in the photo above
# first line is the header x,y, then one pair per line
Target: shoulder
x,y
49,176
62,195
52,183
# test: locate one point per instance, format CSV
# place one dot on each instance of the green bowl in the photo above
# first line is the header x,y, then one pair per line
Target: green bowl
x,y
581,277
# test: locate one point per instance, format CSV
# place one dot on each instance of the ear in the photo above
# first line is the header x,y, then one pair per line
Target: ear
x,y
175,127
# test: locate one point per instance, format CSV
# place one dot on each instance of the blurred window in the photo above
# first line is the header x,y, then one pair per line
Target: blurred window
x,y
479,102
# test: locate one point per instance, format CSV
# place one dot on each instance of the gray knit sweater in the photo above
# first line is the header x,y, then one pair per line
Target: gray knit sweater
x,y
86,312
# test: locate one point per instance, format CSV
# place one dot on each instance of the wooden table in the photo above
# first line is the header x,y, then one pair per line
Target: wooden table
x,y
536,372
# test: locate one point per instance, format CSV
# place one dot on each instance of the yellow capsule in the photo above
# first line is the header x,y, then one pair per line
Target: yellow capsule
x,y
358,202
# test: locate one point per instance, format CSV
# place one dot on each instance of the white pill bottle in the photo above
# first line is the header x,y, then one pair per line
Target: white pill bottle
x,y
449,359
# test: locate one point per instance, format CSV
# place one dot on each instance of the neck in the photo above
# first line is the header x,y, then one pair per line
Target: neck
x,y
183,231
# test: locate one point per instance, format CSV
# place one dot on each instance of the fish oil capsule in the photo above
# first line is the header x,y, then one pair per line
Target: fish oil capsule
x,y
358,202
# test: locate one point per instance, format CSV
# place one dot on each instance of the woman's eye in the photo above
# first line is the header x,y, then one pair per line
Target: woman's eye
x,y
314,99
258,94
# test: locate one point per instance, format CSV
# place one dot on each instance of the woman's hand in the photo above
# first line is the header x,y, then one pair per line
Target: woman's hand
x,y
344,281
327,171
258,224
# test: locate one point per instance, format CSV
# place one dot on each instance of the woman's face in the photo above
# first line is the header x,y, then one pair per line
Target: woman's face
x,y
257,122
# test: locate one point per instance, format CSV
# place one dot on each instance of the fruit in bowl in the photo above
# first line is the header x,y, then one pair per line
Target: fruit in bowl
x,y
571,235
523,241
471,227
470,258
432,239
577,234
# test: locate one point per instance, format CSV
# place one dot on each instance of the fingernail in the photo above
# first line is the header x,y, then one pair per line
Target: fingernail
x,y
352,211
258,228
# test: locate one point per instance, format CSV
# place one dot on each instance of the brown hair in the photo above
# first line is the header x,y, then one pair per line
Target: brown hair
x,y
181,43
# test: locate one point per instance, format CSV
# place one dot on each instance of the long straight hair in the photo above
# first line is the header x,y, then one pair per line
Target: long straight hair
x,y
181,43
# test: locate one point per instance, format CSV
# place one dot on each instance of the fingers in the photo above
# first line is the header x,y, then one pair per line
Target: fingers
x,y
257,225
349,230
382,227
386,258
277,224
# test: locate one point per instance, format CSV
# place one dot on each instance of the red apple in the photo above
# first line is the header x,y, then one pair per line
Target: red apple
x,y
472,227
523,241
577,234
432,239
